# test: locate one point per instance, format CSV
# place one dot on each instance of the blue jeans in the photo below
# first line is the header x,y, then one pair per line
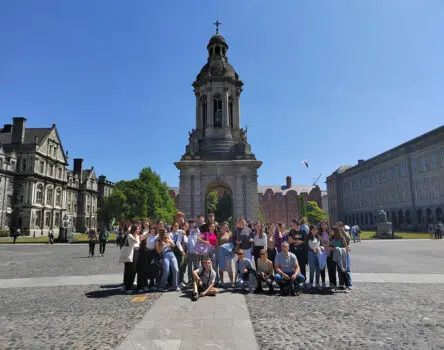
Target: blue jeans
x,y
241,281
296,283
313,263
349,275
168,259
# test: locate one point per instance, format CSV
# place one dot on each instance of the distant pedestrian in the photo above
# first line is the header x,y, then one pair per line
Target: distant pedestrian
x,y
103,238
15,235
92,237
431,229
439,230
51,237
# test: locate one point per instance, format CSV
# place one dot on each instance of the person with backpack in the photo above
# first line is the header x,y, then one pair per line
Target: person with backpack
x,y
287,269
204,279
103,238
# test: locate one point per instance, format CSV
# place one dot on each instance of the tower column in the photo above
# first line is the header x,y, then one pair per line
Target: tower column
x,y
236,118
225,117
198,114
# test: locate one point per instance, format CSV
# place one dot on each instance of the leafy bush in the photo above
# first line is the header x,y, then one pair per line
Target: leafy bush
x,y
4,233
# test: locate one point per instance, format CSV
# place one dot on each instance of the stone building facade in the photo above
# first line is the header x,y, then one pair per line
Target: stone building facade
x,y
407,181
218,154
279,203
39,191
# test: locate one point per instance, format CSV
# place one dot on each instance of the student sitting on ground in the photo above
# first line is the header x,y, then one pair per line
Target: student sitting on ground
x,y
244,271
204,278
264,272
288,275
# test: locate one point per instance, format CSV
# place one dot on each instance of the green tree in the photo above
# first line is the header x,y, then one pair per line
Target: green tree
x,y
302,206
212,200
146,196
260,217
224,208
315,214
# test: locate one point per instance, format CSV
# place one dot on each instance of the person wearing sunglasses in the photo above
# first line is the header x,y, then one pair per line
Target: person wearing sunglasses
x,y
244,272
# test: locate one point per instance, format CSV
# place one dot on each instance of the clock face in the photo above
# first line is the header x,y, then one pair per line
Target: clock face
x,y
217,68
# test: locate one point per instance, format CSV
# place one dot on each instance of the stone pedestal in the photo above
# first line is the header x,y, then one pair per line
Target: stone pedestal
x,y
65,235
384,230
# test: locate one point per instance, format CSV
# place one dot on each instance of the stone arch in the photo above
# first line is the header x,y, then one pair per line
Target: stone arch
x,y
408,218
420,216
429,216
225,193
439,214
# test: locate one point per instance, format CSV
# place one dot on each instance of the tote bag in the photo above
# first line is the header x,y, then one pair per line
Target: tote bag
x,y
126,252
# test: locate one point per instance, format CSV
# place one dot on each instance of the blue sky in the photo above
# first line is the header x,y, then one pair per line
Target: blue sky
x,y
327,81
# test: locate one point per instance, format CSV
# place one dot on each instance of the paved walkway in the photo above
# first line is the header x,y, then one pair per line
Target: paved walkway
x,y
220,322
358,277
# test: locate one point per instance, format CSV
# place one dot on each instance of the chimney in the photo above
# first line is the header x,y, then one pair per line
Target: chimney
x,y
288,180
7,128
78,165
18,130
360,161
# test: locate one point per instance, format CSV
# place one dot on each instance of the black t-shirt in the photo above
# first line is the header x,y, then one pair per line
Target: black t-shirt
x,y
301,235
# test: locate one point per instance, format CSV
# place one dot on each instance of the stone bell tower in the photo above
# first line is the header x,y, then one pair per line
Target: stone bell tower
x,y
218,154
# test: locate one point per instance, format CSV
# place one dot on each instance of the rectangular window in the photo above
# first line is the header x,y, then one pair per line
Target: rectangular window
x,y
42,167
49,196
404,169
69,207
433,161
51,171
59,197
442,157
38,218
418,191
415,166
47,219
57,220
424,163
395,172
60,173
23,164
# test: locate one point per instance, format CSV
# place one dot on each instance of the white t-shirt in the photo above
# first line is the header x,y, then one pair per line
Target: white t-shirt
x,y
151,242
133,241
260,242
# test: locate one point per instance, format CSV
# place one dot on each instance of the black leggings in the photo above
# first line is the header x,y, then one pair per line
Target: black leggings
x,y
92,245
301,255
102,246
130,271
331,267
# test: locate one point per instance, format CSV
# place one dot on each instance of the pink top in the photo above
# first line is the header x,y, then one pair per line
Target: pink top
x,y
210,237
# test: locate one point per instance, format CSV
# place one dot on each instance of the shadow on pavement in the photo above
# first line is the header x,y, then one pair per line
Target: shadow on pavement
x,y
104,293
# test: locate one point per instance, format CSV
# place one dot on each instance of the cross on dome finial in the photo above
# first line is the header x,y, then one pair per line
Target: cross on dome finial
x,y
217,24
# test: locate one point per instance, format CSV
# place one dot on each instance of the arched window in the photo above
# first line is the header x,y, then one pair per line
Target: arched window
x,y
217,111
39,194
230,110
217,50
203,104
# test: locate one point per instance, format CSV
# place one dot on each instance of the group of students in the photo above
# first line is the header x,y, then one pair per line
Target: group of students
x,y
253,255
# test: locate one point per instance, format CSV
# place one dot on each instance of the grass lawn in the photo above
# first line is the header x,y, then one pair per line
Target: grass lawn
x,y
83,237
21,239
79,237
404,235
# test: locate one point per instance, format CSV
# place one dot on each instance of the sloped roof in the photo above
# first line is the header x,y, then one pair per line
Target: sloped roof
x,y
30,135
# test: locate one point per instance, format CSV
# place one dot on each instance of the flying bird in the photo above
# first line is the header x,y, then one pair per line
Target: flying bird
x,y
305,162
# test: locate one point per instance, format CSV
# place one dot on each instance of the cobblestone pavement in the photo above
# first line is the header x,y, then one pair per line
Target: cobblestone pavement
x,y
85,317
18,261
372,316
